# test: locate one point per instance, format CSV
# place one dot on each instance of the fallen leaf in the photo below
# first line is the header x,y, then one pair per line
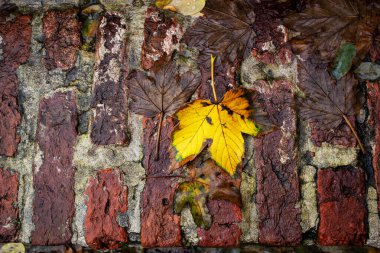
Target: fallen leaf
x,y
226,27
185,7
326,25
13,248
232,28
160,93
207,182
327,102
92,16
343,60
222,122
193,194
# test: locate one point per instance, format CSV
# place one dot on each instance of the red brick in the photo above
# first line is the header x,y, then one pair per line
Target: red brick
x,y
373,99
107,198
275,159
341,135
224,231
109,92
15,36
53,205
161,33
62,38
8,206
342,206
160,227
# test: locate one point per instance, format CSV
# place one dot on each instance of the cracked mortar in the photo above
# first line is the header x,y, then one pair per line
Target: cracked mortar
x,y
309,214
373,218
135,181
189,228
248,189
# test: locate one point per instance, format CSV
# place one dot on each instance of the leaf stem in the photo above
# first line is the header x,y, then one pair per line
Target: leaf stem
x,y
212,77
156,156
355,134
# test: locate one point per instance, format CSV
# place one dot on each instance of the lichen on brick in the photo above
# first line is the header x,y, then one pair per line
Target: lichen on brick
x,y
309,215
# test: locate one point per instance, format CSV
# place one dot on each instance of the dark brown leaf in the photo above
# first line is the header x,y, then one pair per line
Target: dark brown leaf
x,y
232,28
160,93
325,25
163,91
226,27
326,101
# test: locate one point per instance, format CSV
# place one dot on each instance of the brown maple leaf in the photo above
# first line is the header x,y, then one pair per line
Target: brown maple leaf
x,y
161,92
225,27
233,27
326,25
327,103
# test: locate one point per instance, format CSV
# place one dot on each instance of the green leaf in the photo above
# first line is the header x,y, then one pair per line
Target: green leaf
x,y
343,60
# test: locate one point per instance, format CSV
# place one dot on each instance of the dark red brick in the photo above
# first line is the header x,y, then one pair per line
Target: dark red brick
x,y
8,206
53,205
264,57
16,33
341,135
224,231
107,198
275,158
109,92
342,206
160,227
15,37
373,99
62,38
161,33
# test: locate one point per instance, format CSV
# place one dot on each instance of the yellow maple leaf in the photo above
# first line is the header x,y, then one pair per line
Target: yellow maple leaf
x,y
185,7
222,122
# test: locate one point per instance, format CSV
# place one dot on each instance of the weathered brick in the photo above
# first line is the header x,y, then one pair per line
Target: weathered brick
x,y
107,202
275,161
109,99
8,206
62,38
161,34
341,135
342,206
224,231
53,205
15,37
374,124
160,227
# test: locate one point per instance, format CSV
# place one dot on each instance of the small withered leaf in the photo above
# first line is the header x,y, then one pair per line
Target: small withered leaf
x,y
208,182
164,91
